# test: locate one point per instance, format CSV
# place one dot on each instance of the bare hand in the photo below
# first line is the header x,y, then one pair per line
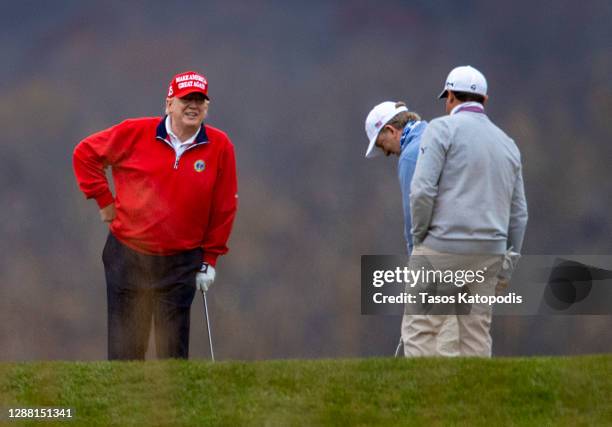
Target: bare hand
x,y
500,288
108,213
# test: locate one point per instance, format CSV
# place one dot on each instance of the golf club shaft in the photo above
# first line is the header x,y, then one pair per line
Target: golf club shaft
x,y
398,348
212,353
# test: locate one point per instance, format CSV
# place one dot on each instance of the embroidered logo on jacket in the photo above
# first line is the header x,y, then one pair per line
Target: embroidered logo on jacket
x,y
199,165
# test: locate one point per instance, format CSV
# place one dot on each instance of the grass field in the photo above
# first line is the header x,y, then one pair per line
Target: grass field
x,y
570,391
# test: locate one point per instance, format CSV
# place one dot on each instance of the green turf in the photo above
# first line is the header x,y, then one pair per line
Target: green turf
x,y
571,391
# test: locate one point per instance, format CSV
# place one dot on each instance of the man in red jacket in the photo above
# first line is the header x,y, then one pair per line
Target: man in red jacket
x,y
170,218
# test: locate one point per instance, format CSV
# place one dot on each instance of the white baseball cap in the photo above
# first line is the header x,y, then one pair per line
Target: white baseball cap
x,y
376,120
465,79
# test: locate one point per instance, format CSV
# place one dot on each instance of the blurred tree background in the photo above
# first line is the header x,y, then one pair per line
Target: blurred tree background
x,y
291,82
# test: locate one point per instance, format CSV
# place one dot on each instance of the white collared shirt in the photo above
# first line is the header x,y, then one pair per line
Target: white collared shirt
x,y
179,147
466,104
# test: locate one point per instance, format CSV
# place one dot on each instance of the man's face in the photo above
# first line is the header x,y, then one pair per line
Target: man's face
x,y
389,140
451,102
189,111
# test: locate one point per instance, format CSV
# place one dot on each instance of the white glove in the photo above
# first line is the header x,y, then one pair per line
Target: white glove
x,y
509,264
205,277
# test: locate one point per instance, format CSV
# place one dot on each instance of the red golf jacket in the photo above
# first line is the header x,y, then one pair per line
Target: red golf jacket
x,y
165,204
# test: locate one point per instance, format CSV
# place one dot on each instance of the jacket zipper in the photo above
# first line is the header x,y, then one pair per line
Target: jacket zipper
x,y
177,156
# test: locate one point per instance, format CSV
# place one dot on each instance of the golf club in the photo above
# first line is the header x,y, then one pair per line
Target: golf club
x,y
212,353
398,348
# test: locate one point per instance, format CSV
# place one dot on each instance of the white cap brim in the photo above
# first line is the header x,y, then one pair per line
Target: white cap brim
x,y
372,151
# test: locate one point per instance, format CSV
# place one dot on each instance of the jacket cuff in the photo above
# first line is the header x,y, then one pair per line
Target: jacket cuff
x,y
210,259
105,199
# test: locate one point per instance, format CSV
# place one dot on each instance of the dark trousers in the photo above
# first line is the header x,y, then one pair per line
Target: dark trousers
x,y
142,287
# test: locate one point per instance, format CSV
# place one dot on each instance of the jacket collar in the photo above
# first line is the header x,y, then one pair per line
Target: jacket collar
x,y
412,130
162,134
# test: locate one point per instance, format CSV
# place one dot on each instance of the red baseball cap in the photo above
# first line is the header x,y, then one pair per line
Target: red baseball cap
x,y
188,82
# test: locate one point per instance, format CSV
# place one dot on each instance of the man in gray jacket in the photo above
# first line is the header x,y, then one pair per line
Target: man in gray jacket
x,y
468,208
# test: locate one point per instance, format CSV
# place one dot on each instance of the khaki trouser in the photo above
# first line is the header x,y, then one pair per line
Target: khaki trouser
x,y
453,335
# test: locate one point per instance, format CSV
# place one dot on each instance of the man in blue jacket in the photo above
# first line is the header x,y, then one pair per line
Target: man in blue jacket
x,y
393,129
